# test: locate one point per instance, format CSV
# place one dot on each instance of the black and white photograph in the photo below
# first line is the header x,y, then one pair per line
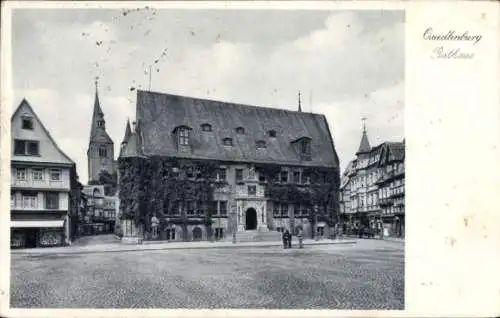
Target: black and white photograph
x,y
207,158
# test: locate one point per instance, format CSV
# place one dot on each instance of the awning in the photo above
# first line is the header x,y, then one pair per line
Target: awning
x,y
37,223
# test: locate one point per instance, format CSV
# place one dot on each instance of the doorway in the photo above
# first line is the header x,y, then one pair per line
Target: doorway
x,y
197,234
251,219
31,238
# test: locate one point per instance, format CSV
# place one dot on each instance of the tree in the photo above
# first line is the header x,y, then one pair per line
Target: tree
x,y
109,181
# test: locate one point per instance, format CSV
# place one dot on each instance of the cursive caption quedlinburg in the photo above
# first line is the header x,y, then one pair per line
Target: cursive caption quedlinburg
x,y
454,50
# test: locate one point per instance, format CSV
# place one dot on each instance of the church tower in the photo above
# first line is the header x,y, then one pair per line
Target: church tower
x,y
100,154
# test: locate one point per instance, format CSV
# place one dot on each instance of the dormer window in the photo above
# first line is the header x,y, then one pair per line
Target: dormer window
x,y
183,136
100,123
240,130
206,127
227,141
272,133
260,144
27,123
305,146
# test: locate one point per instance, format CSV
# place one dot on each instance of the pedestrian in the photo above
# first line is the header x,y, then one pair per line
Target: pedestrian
x,y
288,239
283,237
300,237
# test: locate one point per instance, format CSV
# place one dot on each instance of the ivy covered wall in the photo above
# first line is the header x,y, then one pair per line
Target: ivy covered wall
x,y
149,187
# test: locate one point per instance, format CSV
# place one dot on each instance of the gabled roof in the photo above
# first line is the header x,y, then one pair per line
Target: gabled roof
x,y
158,114
48,148
397,150
98,134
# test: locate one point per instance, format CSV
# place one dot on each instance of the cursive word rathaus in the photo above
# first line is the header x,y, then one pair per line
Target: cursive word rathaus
x,y
451,35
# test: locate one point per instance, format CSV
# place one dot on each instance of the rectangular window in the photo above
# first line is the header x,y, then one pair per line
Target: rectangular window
x,y
103,153
252,190
33,148
320,231
190,208
223,208
26,147
239,175
52,200
284,209
296,210
175,208
19,147
199,209
183,136
213,207
280,229
30,201
21,174
221,174
284,176
27,123
55,174
37,174
276,209
13,202
296,176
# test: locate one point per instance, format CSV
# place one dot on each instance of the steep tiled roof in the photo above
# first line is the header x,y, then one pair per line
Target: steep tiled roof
x,y
159,114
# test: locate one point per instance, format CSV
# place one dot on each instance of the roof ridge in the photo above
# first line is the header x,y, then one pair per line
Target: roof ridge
x,y
228,102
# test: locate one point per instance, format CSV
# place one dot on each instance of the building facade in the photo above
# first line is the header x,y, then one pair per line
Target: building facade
x,y
195,169
100,153
101,211
42,177
372,189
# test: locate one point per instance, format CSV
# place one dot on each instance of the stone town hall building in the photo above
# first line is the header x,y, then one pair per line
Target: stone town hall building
x,y
197,169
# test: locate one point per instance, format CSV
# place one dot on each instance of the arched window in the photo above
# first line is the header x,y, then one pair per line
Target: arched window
x,y
260,144
100,123
272,133
240,130
227,141
206,127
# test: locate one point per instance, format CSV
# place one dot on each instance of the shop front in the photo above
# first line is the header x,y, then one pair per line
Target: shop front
x,y
37,233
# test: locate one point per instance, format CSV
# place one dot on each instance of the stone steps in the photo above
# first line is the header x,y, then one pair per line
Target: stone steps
x,y
256,236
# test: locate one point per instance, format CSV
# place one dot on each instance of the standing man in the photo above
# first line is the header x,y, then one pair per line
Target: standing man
x,y
289,239
300,237
283,237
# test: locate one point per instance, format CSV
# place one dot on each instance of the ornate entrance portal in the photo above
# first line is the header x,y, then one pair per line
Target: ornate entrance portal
x,y
251,219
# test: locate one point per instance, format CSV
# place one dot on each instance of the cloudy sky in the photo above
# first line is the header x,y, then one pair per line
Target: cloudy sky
x,y
348,64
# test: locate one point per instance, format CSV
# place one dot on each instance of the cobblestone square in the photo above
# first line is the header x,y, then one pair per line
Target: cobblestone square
x,y
367,275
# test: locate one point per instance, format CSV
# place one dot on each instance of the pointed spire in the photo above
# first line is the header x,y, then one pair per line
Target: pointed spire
x,y
98,127
128,132
364,145
300,106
